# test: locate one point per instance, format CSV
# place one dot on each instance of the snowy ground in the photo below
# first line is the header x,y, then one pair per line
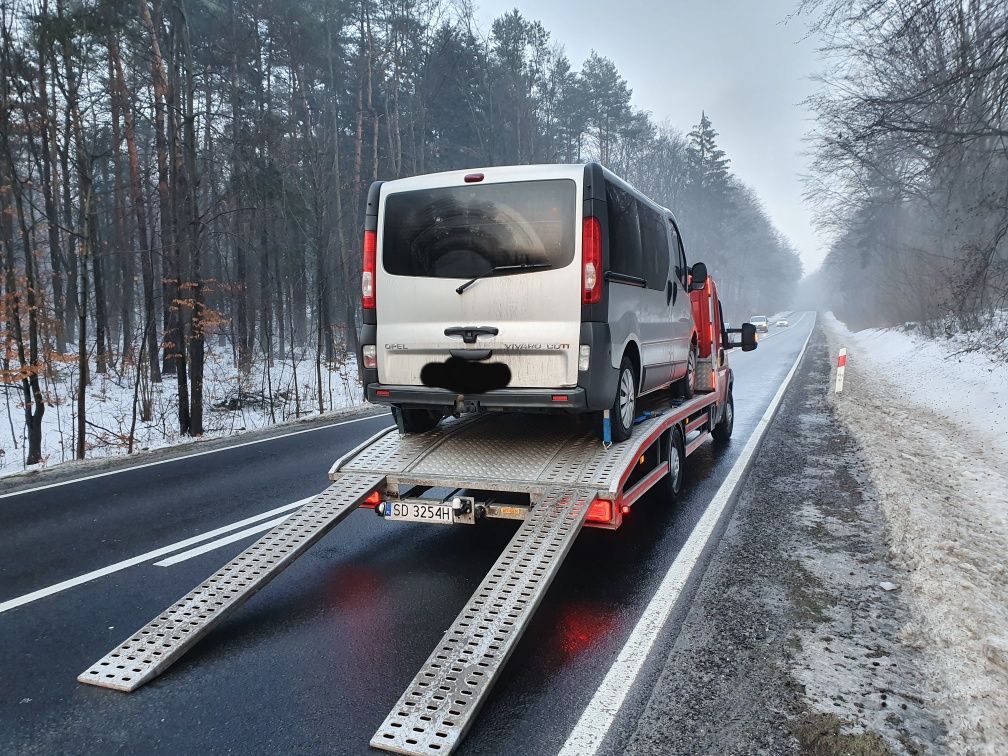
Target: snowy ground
x,y
932,426
232,404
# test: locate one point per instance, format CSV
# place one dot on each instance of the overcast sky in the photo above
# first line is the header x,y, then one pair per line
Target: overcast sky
x,y
736,59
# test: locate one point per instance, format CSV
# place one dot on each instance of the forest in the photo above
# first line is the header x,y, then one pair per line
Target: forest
x,y
911,164
182,182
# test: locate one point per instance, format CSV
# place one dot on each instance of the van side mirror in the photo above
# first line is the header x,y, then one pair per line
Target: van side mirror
x,y
698,276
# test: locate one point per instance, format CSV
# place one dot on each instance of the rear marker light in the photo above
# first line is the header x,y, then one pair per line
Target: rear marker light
x,y
625,509
472,178
559,397
600,511
370,356
383,392
584,357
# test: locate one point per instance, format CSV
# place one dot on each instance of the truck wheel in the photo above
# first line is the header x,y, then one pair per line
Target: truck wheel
x,y
686,386
722,431
624,407
676,462
415,419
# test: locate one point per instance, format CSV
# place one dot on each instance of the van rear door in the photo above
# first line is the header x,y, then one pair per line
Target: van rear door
x,y
518,239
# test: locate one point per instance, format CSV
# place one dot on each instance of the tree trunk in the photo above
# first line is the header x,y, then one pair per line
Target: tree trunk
x,y
197,317
137,197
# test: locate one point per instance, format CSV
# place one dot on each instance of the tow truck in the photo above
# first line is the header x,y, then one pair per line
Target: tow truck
x,y
551,473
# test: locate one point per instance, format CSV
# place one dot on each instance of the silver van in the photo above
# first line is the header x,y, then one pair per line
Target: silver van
x,y
532,287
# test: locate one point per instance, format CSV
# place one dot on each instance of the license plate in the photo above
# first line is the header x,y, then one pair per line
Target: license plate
x,y
408,511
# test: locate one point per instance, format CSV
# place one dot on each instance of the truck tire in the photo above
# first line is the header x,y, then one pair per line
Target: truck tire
x,y
722,431
686,386
624,406
677,462
415,419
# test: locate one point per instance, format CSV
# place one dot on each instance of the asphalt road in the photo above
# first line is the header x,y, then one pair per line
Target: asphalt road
x,y
315,661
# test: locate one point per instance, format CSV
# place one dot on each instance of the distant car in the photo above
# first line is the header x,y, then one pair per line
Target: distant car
x,y
782,323
762,322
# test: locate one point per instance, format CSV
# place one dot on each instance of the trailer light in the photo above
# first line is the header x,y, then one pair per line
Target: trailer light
x,y
591,260
625,509
370,352
559,397
368,273
472,178
584,357
600,510
383,392
372,501
641,460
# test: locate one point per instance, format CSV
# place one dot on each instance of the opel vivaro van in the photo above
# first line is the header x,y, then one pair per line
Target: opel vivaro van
x,y
533,287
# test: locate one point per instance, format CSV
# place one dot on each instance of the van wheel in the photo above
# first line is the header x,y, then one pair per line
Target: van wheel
x,y
722,431
686,386
676,462
624,408
415,419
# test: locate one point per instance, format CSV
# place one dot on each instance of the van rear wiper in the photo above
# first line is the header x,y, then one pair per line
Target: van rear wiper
x,y
498,268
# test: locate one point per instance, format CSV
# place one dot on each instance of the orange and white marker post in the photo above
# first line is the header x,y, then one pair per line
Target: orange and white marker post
x,y
840,364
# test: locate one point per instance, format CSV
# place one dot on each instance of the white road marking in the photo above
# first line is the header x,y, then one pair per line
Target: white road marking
x,y
594,724
188,456
195,552
133,561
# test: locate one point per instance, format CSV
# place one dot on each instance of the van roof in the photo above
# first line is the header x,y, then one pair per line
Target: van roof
x,y
515,173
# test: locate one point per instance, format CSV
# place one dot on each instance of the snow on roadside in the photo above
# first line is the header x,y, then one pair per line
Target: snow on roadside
x,y
932,431
968,388
233,403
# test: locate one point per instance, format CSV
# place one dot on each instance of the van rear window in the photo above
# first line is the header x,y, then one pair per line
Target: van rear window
x,y
464,231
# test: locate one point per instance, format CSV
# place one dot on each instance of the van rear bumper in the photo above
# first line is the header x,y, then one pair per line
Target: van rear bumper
x,y
422,396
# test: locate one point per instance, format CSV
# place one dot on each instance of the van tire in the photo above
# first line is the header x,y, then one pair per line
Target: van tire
x,y
722,431
686,386
415,419
621,416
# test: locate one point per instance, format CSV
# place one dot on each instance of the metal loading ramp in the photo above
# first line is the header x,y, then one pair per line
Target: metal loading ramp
x,y
163,640
439,705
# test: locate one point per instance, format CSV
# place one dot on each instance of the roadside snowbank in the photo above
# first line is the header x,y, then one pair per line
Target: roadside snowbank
x,y
933,434
233,403
971,389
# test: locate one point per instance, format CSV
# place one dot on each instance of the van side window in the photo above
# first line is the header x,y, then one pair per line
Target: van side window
x,y
680,254
624,233
655,244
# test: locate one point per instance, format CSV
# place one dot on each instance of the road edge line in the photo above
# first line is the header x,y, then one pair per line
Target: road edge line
x,y
181,457
597,719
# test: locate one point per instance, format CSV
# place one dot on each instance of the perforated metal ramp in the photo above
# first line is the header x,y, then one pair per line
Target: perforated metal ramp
x,y
161,642
441,702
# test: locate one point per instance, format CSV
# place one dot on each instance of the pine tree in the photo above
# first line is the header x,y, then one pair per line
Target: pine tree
x,y
707,162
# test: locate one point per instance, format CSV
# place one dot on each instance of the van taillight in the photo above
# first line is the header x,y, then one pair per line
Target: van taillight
x,y
591,260
368,275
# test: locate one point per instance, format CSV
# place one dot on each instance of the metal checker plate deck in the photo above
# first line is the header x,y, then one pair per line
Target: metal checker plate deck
x,y
439,705
511,451
157,645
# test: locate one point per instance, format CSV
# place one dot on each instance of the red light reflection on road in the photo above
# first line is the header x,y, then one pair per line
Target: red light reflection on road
x,y
579,626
